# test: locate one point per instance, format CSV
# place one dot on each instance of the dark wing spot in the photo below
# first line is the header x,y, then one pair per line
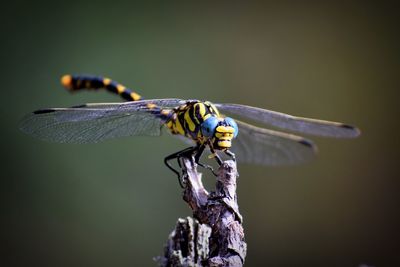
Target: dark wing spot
x,y
309,144
80,106
356,131
347,126
44,111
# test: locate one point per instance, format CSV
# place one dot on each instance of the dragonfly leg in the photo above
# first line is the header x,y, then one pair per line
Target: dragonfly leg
x,y
231,154
216,156
208,167
197,159
177,156
218,159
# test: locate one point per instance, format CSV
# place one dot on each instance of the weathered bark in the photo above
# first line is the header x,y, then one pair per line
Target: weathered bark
x,y
215,237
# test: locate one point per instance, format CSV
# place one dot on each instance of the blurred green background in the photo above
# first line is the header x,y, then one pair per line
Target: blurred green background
x,y
114,203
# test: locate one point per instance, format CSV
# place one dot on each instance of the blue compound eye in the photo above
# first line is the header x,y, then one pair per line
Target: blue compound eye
x,y
231,122
208,126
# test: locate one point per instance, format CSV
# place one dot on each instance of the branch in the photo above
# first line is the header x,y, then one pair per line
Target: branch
x,y
215,237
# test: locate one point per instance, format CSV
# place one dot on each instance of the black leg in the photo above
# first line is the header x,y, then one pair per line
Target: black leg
x,y
231,154
208,167
195,151
178,155
200,150
197,159
217,158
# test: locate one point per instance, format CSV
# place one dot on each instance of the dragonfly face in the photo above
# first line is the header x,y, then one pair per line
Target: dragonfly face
x,y
220,131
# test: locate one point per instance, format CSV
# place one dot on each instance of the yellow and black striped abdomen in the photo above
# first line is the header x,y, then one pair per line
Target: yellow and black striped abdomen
x,y
80,82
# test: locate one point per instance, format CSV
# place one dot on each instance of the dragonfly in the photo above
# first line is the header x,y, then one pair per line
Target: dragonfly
x,y
195,121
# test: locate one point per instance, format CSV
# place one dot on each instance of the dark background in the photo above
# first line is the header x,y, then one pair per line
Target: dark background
x,y
114,203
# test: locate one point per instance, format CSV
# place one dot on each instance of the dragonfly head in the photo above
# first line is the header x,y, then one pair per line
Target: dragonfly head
x,y
221,131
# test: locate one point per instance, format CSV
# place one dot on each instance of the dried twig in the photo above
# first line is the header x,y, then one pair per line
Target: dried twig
x,y
215,237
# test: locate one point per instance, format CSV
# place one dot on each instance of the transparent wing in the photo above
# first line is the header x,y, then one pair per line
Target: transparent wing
x,y
93,123
266,147
164,103
285,121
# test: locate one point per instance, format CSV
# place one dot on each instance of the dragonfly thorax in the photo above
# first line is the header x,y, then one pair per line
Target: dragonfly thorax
x,y
201,122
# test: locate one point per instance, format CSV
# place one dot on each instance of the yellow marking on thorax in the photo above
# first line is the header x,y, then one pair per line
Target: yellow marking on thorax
x,y
207,116
88,84
178,127
189,121
183,107
201,111
169,125
212,108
